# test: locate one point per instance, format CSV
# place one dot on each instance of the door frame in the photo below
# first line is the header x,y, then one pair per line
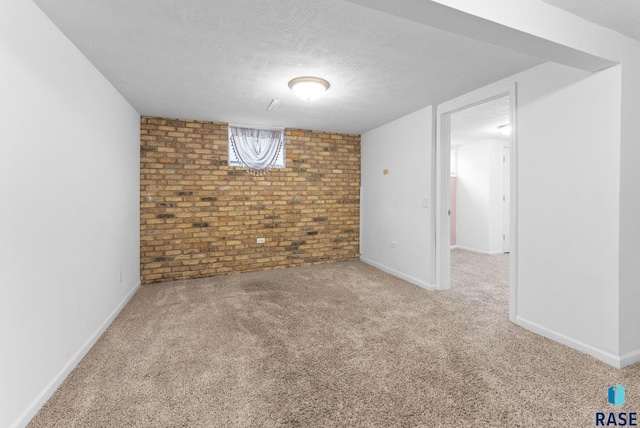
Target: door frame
x,y
442,173
506,217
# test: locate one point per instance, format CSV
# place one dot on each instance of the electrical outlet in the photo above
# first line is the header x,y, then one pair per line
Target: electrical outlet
x,y
394,244
120,277
260,240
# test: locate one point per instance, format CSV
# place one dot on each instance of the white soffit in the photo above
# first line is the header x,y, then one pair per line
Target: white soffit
x,y
622,16
225,60
439,14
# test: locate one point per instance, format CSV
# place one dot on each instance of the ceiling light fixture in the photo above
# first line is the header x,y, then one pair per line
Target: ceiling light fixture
x,y
505,129
308,88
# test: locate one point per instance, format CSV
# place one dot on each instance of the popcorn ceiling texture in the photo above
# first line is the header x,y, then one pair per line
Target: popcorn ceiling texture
x,y
200,218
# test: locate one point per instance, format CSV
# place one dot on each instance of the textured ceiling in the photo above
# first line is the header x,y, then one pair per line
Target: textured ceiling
x,y
225,60
622,16
480,122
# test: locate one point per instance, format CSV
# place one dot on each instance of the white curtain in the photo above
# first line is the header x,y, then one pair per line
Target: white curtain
x,y
256,149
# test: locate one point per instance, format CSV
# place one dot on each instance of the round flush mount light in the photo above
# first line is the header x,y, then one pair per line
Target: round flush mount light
x,y
505,129
308,87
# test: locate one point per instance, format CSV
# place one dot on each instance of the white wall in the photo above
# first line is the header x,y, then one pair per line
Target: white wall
x,y
582,36
479,196
393,206
69,174
568,205
568,168
579,105
630,207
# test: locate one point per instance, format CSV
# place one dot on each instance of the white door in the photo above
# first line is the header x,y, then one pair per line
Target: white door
x,y
506,199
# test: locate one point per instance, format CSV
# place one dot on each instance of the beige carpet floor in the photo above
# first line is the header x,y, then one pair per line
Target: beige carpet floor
x,y
339,344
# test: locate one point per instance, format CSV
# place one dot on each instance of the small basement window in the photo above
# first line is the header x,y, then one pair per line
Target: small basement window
x,y
257,149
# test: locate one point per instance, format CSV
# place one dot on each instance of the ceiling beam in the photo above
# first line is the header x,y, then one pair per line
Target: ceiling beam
x,y
454,20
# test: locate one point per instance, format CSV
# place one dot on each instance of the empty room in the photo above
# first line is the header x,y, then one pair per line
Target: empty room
x,y
241,213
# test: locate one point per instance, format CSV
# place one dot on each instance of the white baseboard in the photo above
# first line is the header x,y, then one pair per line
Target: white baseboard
x,y
401,275
55,383
576,344
630,358
474,250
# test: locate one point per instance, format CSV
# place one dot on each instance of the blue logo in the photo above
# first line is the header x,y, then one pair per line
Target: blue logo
x,y
616,395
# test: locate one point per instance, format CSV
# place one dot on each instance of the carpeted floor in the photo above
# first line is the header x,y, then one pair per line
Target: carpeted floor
x,y
329,345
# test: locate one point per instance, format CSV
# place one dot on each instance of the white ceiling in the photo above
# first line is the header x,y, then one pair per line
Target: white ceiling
x,y
480,122
622,16
225,60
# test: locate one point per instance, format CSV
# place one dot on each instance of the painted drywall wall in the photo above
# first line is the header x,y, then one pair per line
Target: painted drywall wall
x,y
630,207
568,204
395,207
479,197
69,240
579,35
572,41
568,169
565,258
568,210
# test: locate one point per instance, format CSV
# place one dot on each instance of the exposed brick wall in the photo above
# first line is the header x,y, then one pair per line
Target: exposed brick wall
x,y
199,217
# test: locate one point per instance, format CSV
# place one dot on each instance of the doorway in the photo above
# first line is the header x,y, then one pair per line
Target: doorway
x,y
476,181
479,183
